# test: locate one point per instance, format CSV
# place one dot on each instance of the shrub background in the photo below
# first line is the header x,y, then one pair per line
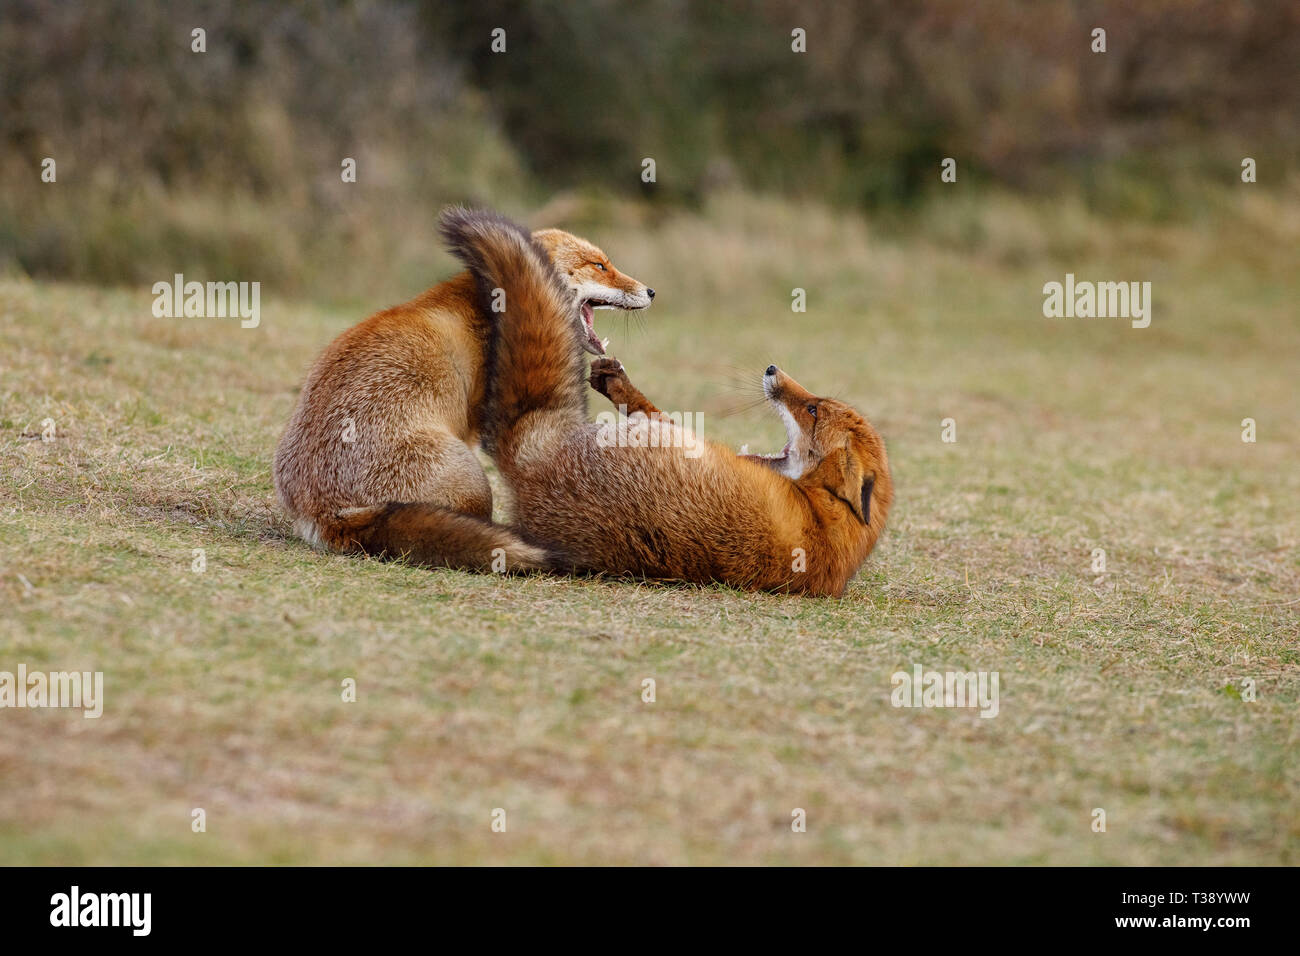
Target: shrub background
x,y
227,163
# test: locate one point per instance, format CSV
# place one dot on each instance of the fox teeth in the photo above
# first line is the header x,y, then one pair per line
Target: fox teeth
x,y
744,449
604,343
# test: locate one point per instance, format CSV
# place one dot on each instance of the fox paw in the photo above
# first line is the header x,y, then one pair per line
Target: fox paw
x,y
609,378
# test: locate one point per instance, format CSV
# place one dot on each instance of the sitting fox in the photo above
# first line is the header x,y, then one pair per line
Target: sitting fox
x,y
803,520
378,456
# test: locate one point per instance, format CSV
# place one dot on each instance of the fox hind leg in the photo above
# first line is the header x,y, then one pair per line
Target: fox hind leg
x,y
444,472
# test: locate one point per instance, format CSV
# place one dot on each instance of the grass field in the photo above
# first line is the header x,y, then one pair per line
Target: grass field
x,y
1120,690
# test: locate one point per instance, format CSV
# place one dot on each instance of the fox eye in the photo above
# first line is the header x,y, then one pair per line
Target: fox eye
x,y
600,266
812,410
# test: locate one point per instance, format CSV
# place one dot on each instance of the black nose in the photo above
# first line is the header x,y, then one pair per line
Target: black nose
x,y
650,292
771,370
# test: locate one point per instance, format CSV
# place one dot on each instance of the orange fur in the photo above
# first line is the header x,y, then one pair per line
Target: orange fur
x,y
378,455
628,499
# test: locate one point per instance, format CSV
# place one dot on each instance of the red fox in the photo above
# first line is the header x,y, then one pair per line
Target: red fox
x,y
603,498
378,455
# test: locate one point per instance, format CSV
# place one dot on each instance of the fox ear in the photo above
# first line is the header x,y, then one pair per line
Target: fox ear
x,y
850,486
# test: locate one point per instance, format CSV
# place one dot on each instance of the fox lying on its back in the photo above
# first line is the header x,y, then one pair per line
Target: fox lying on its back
x,y
379,453
802,521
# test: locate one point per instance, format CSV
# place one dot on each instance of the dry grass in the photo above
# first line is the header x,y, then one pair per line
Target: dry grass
x,y
1119,690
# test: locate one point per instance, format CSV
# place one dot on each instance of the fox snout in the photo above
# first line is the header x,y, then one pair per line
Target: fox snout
x,y
616,292
781,388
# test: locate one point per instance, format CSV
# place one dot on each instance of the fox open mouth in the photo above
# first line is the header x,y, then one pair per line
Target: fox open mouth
x,y
594,343
587,307
777,456
777,459
784,461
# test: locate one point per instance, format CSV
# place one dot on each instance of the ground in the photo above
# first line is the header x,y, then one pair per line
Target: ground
x,y
1127,689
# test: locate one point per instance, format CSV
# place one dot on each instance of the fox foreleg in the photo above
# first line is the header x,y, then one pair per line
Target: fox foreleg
x,y
610,379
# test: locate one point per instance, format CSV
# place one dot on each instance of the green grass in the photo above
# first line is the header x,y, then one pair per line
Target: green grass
x,y
1119,690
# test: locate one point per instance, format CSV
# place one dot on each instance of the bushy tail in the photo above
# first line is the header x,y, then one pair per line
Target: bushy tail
x,y
429,535
535,365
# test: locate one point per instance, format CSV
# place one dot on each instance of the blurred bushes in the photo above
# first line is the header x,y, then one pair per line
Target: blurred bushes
x,y
228,161
588,88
